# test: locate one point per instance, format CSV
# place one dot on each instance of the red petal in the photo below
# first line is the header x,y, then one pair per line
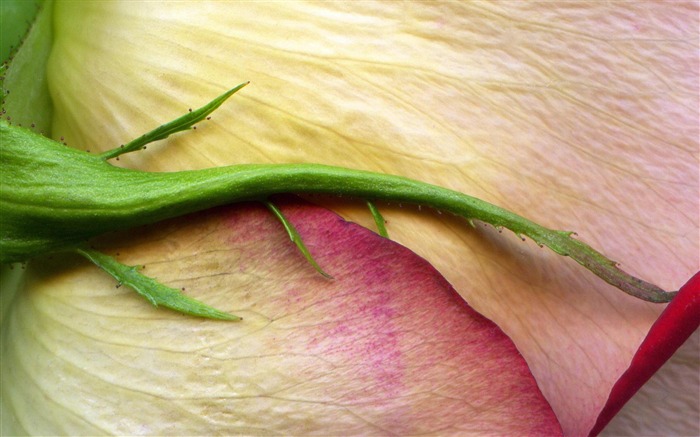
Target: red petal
x,y
678,321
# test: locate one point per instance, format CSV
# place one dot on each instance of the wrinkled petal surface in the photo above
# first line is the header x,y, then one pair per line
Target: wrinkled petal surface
x,y
386,348
579,115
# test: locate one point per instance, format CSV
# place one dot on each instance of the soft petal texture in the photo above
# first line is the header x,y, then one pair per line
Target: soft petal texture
x,y
386,348
580,116
678,321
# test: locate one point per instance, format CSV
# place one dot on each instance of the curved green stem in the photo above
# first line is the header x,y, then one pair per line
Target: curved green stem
x,y
55,198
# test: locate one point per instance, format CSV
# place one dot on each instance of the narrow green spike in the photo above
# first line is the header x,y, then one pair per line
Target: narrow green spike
x,y
179,124
296,238
378,219
155,292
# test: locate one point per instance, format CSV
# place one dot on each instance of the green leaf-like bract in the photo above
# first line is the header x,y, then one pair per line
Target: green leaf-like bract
x,y
26,98
16,17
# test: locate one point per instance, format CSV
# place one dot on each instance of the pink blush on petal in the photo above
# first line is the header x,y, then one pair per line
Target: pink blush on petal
x,y
402,334
386,347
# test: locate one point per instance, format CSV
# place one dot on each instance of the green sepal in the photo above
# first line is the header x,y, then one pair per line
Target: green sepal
x,y
178,125
296,238
155,292
25,92
16,18
378,219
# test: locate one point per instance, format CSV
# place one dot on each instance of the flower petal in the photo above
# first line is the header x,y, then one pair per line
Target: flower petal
x,y
580,116
675,325
387,347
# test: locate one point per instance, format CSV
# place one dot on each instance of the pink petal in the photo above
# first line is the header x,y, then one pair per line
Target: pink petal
x,y
408,326
678,321
387,347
